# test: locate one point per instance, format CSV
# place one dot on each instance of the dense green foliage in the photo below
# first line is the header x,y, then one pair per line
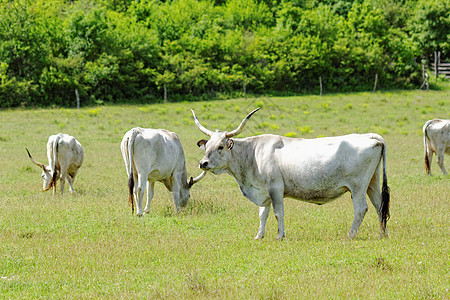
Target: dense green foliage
x,y
114,51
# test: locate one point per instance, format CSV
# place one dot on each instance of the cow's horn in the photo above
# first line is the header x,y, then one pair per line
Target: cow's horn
x,y
41,165
192,181
241,126
200,126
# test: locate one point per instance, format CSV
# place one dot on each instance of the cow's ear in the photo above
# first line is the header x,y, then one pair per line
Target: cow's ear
x,y
230,144
202,144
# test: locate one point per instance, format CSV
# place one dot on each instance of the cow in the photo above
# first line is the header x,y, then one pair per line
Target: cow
x,y
65,156
155,155
269,167
436,138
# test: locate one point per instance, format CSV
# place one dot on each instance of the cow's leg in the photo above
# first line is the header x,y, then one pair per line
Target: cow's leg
x,y
142,182
150,193
70,180
176,191
360,208
374,194
263,215
62,181
440,160
278,208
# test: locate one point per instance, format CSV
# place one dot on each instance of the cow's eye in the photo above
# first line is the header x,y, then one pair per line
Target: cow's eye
x,y
220,148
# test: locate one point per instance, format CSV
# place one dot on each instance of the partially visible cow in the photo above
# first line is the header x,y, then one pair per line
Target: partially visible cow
x,y
436,138
65,157
270,167
155,155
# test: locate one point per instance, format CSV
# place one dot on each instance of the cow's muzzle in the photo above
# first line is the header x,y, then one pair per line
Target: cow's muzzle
x,y
204,165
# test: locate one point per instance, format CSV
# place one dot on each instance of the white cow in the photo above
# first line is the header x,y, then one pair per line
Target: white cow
x,y
155,155
270,167
436,138
65,157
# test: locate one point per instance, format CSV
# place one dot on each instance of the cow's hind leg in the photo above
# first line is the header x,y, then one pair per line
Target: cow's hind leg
x,y
150,193
70,180
360,208
142,182
62,180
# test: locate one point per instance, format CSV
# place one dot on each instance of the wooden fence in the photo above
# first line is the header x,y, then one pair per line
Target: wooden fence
x,y
439,66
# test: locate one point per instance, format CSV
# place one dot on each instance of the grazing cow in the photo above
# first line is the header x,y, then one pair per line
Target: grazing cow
x,y
155,155
436,138
269,167
65,157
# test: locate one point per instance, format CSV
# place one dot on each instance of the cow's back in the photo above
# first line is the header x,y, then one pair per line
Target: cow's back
x,y
159,153
69,150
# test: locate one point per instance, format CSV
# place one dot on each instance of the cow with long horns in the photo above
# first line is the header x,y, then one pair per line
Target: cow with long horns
x,y
436,138
65,156
269,167
155,155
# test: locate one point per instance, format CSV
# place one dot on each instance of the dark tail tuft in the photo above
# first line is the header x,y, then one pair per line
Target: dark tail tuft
x,y
385,199
427,164
130,190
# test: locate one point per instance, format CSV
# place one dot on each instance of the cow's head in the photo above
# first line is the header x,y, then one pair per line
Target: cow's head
x,y
47,176
218,148
185,192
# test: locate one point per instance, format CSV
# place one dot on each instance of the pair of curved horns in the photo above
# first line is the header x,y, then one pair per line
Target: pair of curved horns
x,y
193,181
41,165
228,134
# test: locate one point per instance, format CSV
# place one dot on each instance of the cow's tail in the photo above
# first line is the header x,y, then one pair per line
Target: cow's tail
x,y
385,195
53,167
425,144
130,168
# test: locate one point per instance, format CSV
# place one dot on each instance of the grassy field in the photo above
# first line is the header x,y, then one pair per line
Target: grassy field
x,y
89,245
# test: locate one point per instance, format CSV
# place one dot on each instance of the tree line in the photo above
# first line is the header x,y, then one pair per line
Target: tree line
x,y
118,51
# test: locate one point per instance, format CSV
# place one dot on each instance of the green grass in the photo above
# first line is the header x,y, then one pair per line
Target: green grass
x,y
89,245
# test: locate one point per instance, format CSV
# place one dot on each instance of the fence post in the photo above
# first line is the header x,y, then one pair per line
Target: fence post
x,y
375,84
78,98
436,64
165,94
244,88
320,81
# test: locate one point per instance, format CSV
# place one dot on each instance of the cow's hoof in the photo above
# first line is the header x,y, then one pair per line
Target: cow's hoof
x,y
352,235
280,238
384,235
139,215
259,236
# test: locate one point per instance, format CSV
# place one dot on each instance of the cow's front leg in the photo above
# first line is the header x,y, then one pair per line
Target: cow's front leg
x,y
176,192
278,209
263,215
360,209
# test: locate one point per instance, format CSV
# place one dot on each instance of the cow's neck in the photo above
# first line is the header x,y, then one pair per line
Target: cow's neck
x,y
242,161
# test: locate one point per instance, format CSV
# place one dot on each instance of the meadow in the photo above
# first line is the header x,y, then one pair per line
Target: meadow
x,y
90,246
